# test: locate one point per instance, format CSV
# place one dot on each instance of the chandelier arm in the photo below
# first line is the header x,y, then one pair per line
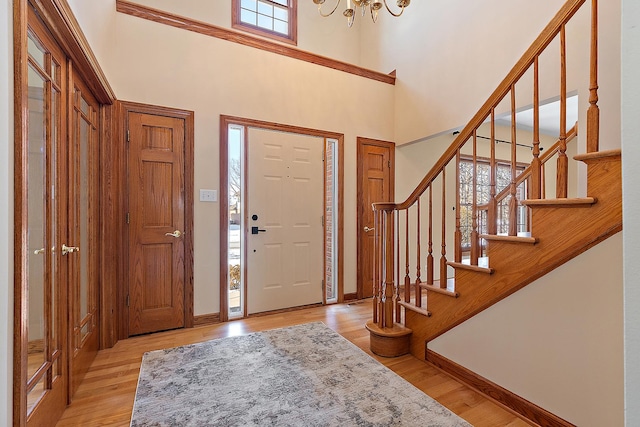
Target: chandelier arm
x,y
391,11
330,13
374,15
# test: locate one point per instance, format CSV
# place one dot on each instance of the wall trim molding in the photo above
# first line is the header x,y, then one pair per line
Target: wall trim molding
x,y
353,296
200,27
206,319
496,393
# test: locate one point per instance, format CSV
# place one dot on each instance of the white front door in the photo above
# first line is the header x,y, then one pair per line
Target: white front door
x,y
285,205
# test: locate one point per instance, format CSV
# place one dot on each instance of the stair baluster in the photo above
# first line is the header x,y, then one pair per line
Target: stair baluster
x,y
430,255
563,162
418,289
513,200
443,253
593,112
457,238
535,188
407,279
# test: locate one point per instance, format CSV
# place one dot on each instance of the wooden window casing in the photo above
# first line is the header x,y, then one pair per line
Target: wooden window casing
x,y
290,37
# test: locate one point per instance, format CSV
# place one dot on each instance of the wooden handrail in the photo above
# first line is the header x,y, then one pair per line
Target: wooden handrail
x,y
548,154
542,41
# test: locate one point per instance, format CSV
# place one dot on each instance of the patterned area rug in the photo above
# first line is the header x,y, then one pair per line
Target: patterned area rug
x,y
305,375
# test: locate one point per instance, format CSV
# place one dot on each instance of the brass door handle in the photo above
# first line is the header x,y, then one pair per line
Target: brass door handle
x,y
69,249
367,229
38,251
176,234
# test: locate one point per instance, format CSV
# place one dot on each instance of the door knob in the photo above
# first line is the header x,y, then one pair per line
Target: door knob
x,y
38,251
367,229
69,249
176,233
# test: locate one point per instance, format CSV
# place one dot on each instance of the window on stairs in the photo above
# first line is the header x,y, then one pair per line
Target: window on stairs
x,y
275,19
483,187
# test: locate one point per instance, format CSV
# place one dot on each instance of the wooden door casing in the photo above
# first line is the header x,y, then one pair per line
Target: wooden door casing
x,y
375,182
159,265
225,123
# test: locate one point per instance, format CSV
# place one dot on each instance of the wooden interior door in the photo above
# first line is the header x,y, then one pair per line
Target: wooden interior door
x,y
83,224
375,184
156,222
285,205
40,353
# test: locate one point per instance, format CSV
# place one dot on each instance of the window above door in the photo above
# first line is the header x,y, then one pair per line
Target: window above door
x,y
274,19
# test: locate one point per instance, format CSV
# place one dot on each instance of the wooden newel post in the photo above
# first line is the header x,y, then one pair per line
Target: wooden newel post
x,y
386,337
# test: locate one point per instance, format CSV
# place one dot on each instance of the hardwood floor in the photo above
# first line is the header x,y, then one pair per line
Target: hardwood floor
x,y
105,397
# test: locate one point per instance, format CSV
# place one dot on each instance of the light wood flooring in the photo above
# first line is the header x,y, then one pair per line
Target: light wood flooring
x,y
105,397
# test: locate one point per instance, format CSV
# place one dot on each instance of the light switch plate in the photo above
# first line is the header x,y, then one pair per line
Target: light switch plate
x,y
208,195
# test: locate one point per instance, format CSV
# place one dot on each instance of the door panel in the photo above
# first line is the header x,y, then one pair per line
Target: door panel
x,y
157,223
375,184
40,375
83,229
285,191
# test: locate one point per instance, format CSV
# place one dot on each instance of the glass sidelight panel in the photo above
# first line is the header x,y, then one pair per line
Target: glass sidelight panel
x,y
331,221
236,222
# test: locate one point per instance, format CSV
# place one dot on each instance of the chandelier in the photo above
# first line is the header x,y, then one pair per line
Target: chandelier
x,y
373,5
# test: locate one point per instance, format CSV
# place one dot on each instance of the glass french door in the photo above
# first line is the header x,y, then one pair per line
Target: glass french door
x,y
56,292
82,223
41,361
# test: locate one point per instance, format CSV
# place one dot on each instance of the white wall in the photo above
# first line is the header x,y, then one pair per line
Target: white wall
x,y
631,206
558,342
157,64
6,212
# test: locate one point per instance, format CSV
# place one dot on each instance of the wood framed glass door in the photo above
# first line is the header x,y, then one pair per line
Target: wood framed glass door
x,y
40,366
57,227
83,214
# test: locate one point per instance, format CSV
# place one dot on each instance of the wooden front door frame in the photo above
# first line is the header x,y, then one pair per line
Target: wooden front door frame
x,y
124,108
225,121
361,142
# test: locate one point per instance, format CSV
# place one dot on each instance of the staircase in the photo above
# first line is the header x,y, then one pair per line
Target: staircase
x,y
421,290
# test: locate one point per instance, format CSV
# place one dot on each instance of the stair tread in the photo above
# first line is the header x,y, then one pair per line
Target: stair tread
x,y
562,202
512,239
598,155
412,307
449,290
476,268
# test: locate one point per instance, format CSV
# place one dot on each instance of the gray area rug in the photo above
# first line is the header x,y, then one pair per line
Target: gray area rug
x,y
305,375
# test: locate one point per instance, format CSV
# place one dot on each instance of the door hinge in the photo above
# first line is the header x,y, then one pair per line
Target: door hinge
x,y
322,220
127,218
322,283
128,136
323,156
128,300
389,163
